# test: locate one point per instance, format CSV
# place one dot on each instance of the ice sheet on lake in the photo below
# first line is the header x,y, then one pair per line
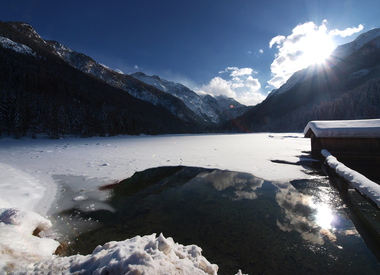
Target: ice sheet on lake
x,y
26,183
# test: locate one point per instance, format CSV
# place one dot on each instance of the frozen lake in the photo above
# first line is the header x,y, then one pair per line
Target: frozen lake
x,y
248,200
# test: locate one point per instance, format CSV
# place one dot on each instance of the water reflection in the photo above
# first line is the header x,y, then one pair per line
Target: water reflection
x,y
242,184
240,221
324,216
312,221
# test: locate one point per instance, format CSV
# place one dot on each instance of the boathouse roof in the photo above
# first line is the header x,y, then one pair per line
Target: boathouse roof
x,y
366,128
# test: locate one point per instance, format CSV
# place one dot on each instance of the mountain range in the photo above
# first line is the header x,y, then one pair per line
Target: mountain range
x,y
169,94
46,87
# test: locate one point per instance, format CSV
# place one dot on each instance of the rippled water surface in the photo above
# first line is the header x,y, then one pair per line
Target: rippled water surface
x,y
240,221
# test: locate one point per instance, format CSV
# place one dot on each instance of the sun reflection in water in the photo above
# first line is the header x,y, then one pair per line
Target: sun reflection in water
x,y
324,216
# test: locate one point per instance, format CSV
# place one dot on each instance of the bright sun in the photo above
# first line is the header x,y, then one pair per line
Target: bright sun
x,y
317,47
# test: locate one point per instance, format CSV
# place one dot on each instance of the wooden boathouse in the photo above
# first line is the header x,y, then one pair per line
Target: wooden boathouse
x,y
356,143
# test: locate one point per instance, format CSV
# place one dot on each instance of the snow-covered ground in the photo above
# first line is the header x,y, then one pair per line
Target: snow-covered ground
x,y
27,190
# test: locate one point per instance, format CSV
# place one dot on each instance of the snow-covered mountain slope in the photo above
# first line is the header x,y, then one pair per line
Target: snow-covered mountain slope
x,y
175,97
343,51
295,79
17,47
125,82
229,107
209,108
86,64
191,99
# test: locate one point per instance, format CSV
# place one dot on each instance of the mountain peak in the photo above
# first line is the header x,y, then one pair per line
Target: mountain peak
x,y
138,74
28,30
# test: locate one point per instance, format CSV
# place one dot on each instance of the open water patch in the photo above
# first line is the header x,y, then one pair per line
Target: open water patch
x,y
240,221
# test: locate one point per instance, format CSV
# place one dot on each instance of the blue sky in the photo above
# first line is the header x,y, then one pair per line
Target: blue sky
x,y
238,48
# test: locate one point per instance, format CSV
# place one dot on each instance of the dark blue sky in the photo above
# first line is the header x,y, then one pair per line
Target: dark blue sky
x,y
209,45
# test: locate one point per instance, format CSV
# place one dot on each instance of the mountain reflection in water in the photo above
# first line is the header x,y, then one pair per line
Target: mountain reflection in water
x,y
240,221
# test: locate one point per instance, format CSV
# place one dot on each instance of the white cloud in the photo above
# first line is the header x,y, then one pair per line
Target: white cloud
x,y
276,40
240,72
261,51
253,84
346,32
235,71
238,84
219,86
306,45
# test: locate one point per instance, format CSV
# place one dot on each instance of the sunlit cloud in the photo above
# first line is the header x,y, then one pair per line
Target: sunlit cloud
x,y
235,71
346,32
219,86
237,83
240,72
308,44
279,39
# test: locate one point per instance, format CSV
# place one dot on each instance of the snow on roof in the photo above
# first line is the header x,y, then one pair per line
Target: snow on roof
x,y
366,128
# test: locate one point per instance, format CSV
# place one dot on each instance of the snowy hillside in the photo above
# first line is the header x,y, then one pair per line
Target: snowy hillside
x,y
125,82
209,108
346,50
191,99
20,48
179,100
295,79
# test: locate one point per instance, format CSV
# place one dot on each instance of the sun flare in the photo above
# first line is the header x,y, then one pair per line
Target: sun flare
x,y
318,47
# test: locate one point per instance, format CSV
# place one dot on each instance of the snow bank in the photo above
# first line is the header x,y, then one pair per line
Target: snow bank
x,y
365,186
139,255
366,128
20,189
20,243
22,251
